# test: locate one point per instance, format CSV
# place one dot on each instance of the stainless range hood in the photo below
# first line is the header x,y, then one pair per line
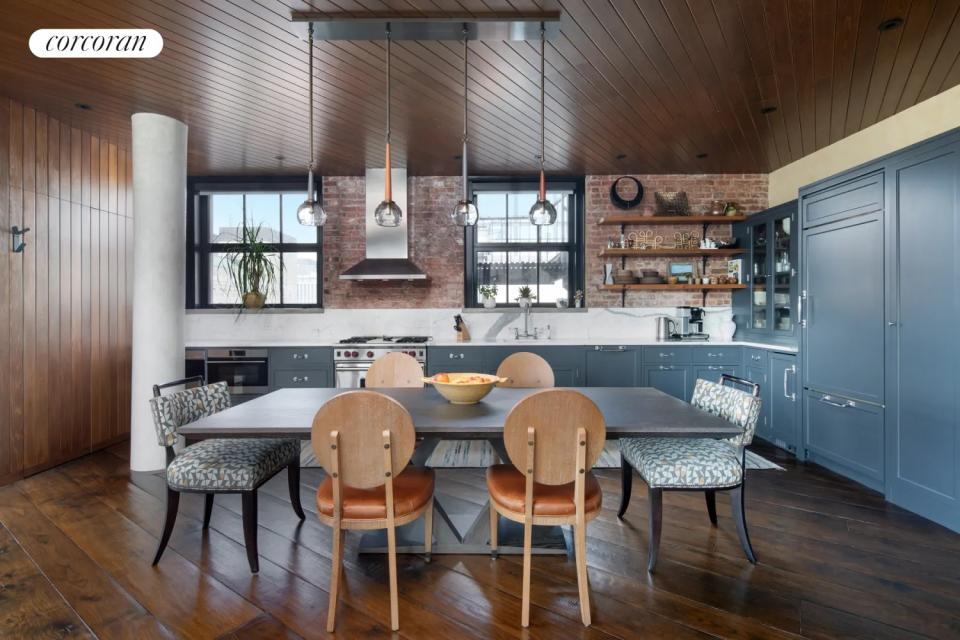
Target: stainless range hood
x,y
387,247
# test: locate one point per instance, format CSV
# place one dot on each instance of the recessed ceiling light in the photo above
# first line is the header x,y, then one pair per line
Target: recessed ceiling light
x,y
701,156
891,24
83,106
621,156
767,110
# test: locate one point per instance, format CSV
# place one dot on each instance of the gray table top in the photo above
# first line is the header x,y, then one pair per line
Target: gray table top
x,y
628,411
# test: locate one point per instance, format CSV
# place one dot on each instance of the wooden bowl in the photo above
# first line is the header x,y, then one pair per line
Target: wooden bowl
x,y
464,388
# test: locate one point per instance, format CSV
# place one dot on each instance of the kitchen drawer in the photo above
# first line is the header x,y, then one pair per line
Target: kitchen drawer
x,y
443,358
672,379
677,354
716,355
845,436
845,200
754,357
300,358
302,378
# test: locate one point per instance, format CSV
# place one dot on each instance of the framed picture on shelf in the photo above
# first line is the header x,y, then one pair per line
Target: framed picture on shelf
x,y
735,269
682,270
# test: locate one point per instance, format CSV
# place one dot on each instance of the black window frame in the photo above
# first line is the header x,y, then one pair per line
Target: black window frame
x,y
574,247
200,249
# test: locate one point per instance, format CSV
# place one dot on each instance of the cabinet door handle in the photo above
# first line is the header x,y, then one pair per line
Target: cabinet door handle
x,y
301,379
849,404
790,396
714,355
301,356
665,355
714,367
601,348
755,357
665,368
456,356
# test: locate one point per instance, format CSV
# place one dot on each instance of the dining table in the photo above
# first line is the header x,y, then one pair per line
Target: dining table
x,y
462,527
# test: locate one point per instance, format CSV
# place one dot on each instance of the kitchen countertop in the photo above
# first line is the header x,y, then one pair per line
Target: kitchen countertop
x,y
561,342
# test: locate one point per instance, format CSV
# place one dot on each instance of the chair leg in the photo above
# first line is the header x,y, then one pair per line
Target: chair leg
x,y
249,512
494,524
740,518
207,509
293,483
428,530
711,496
656,523
626,485
392,562
527,544
583,580
173,503
335,571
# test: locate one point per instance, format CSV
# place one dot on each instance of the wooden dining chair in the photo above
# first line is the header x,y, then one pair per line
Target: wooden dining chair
x,y
525,370
394,370
364,440
553,438
697,464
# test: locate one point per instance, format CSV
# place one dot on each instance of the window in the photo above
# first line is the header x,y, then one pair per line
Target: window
x,y
505,249
217,215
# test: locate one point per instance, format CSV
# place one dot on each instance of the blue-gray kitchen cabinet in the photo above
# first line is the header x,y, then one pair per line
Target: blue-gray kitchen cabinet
x,y
467,359
613,366
783,397
567,362
756,369
923,348
673,379
304,367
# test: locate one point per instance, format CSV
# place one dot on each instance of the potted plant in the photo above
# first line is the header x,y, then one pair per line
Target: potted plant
x,y
525,297
250,269
578,299
489,294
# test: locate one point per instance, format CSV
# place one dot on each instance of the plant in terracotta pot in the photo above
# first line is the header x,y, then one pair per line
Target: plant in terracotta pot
x,y
489,294
525,297
252,272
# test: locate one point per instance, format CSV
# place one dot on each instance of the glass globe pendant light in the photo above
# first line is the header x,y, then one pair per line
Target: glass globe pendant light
x,y
465,213
388,212
542,212
311,212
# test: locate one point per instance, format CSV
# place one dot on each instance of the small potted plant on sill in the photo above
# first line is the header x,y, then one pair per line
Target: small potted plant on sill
x,y
251,271
578,299
525,297
489,294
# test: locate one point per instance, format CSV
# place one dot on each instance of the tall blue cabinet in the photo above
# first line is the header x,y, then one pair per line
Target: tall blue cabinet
x,y
880,291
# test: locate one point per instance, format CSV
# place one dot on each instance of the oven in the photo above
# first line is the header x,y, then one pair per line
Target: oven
x,y
244,370
353,356
351,376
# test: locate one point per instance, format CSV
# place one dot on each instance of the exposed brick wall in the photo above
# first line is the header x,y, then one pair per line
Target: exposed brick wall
x,y
436,246
749,191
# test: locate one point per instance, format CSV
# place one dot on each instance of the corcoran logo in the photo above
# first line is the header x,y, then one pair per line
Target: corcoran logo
x,y
96,43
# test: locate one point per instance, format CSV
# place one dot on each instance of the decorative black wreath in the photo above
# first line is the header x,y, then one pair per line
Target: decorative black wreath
x,y
619,202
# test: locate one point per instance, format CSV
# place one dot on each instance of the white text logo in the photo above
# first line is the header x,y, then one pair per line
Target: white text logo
x,y
96,43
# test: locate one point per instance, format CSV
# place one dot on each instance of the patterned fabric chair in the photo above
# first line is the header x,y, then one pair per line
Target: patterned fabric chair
x,y
696,464
222,465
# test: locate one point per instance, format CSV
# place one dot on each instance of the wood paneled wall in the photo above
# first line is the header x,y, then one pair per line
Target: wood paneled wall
x,y
65,302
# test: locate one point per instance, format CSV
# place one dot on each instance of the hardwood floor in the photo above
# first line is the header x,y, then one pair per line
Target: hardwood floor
x,y
835,560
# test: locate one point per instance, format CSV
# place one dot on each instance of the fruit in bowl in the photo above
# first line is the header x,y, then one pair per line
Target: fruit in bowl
x,y
463,388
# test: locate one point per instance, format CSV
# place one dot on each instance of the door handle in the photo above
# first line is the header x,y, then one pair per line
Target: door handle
x,y
665,355
792,397
665,368
849,404
301,379
602,348
456,356
301,356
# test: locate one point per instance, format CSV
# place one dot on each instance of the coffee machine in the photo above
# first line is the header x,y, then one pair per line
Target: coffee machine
x,y
689,325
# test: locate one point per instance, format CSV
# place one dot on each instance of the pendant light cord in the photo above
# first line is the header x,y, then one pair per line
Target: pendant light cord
x,y
388,83
310,85
543,82
463,158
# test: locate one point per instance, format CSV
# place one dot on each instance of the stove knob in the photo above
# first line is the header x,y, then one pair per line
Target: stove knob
x,y
355,354
369,354
411,353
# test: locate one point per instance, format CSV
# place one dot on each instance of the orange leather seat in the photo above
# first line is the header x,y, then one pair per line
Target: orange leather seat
x,y
412,489
507,487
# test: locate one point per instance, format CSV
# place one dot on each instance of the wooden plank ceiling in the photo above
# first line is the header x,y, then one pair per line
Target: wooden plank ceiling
x,y
639,86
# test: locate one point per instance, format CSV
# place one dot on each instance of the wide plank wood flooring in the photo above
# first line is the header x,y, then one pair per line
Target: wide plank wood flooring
x,y
835,560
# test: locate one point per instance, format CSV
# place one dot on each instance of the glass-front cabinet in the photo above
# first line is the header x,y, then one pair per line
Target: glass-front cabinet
x,y
767,309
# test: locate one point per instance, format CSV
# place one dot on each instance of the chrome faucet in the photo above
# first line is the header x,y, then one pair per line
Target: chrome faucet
x,y
528,331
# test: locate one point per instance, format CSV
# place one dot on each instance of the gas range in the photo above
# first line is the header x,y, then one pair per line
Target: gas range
x,y
354,355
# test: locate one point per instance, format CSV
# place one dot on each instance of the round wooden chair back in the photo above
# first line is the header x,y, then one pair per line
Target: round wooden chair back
x,y
394,370
348,436
554,417
525,370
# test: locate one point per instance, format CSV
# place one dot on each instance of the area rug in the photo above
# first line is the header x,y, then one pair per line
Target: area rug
x,y
451,454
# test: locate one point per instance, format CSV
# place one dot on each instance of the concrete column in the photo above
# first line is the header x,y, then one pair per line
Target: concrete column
x,y
159,278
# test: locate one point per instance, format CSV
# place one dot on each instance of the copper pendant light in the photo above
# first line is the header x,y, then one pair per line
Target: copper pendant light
x,y
311,212
465,213
542,212
388,213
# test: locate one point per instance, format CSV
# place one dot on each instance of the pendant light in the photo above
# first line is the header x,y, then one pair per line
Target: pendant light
x,y
311,212
388,213
542,212
465,213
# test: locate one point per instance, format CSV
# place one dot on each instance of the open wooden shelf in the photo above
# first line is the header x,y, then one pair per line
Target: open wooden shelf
x,y
671,287
623,218
653,253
